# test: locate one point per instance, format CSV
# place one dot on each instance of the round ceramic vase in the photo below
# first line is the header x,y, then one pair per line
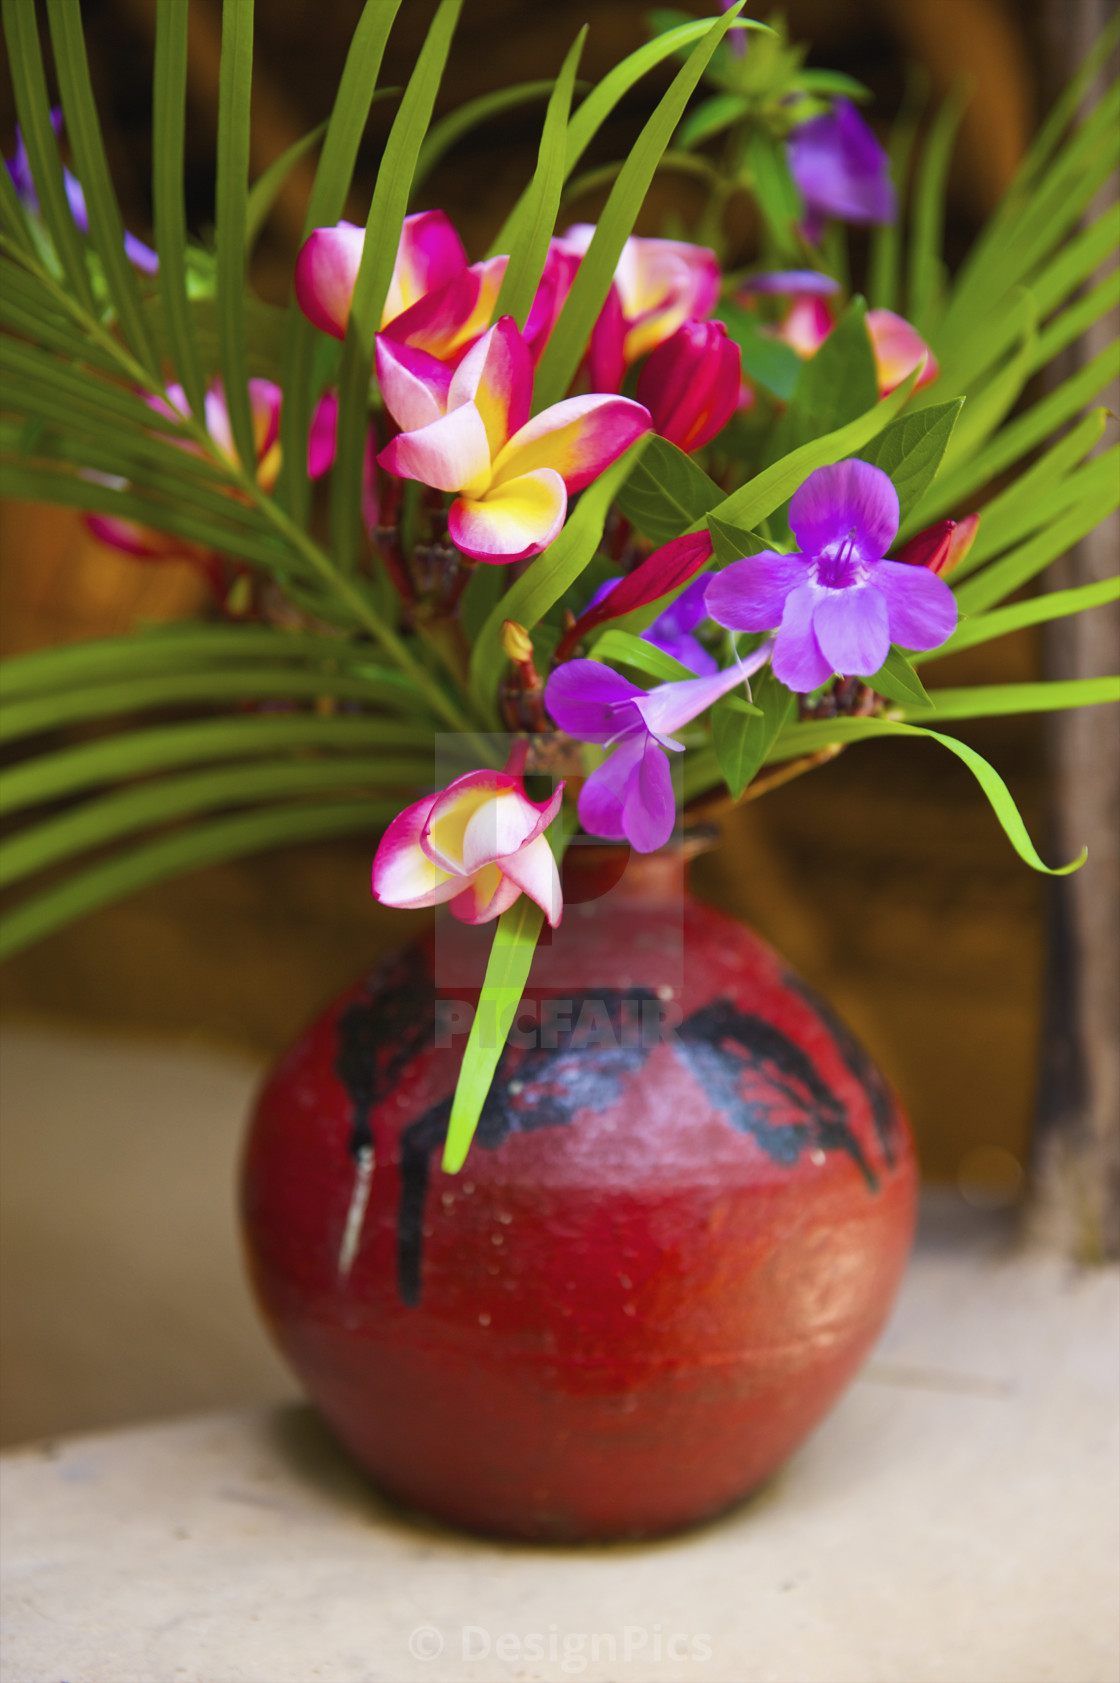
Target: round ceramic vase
x,y
680,1227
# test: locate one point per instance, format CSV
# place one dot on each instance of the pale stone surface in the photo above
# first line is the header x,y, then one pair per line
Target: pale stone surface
x,y
954,1521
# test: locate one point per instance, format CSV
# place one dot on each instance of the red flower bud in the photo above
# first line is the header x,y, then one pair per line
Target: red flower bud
x,y
690,384
674,564
941,547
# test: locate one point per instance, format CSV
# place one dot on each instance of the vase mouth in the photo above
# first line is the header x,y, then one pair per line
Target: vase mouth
x,y
591,868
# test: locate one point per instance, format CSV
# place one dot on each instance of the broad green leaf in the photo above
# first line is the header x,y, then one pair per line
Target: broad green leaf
x,y
106,227
379,254
231,193
169,97
328,200
127,811
444,134
549,575
911,450
627,650
742,740
266,188
21,32
511,958
927,227
139,752
1052,604
835,386
573,329
801,739
775,485
766,360
187,850
732,543
897,680
666,492
529,247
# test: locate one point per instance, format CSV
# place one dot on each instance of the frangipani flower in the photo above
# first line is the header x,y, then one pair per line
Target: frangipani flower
x,y
658,285
690,384
479,843
141,256
630,796
837,605
470,432
560,267
264,402
897,347
841,170
435,302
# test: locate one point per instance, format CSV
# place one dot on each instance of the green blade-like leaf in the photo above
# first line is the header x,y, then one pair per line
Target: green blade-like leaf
x,y
770,489
956,486
1033,498
927,228
126,812
230,218
897,680
169,97
775,190
328,200
549,575
589,289
106,225
666,491
202,844
711,117
445,133
742,740
987,406
1063,329
33,112
529,247
138,753
379,254
1052,604
14,225
511,958
1021,565
266,188
627,650
884,271
911,450
800,739
258,684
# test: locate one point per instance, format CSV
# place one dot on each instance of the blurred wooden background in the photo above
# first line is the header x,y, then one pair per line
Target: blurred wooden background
x,y
883,877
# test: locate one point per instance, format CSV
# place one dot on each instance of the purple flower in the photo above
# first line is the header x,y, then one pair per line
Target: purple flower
x,y
802,282
841,170
18,166
672,630
838,604
630,796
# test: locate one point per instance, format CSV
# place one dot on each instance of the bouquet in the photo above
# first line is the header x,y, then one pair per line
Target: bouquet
x,y
661,521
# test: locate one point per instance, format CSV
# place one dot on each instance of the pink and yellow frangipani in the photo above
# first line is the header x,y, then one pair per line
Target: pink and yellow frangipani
x,y
479,844
658,285
469,432
436,300
899,349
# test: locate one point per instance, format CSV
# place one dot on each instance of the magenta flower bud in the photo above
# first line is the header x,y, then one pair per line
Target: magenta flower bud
x,y
690,384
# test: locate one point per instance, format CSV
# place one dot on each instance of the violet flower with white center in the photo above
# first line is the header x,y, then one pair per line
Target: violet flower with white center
x,y
841,170
630,796
836,603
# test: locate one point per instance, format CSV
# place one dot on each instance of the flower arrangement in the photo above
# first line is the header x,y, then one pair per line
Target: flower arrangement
x,y
676,518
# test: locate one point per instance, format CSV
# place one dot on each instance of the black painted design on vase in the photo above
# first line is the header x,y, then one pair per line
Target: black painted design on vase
x,y
379,1034
884,1110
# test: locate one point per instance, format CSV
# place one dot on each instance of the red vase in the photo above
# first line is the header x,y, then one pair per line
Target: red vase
x,y
678,1232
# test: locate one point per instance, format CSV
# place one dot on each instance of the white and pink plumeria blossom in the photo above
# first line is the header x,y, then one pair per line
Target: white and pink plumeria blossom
x,y
469,431
658,285
436,300
479,843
